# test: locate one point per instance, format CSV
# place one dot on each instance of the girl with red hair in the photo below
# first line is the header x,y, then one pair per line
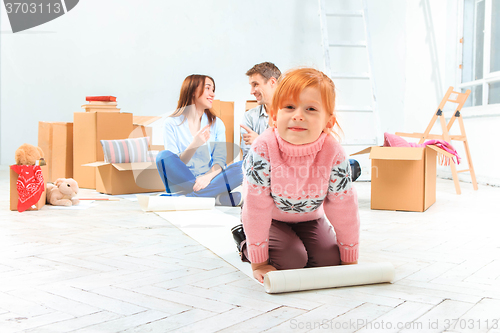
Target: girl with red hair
x,y
296,172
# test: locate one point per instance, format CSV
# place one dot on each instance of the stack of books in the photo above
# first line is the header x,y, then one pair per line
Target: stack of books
x,y
101,103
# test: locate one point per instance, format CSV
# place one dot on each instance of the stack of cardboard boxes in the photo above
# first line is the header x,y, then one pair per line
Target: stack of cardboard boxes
x,y
73,150
103,121
88,130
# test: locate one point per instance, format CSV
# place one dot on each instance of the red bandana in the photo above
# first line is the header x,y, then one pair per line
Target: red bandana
x,y
30,185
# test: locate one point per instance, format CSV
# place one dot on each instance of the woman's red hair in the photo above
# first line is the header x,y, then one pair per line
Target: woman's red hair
x,y
291,84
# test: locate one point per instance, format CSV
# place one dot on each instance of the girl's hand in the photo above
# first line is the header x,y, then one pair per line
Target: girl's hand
x,y
202,182
259,270
349,263
201,137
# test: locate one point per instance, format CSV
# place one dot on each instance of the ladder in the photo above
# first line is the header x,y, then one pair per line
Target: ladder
x,y
459,99
348,62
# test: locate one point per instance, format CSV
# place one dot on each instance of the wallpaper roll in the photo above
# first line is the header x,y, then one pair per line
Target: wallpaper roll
x,y
157,203
328,277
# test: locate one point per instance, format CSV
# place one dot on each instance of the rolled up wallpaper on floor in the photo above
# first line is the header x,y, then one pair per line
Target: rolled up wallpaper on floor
x,y
328,277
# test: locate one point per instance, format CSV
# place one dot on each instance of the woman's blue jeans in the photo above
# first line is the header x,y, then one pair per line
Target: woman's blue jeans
x,y
178,179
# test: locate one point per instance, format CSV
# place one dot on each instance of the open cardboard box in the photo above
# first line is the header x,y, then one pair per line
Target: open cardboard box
x,y
126,178
403,178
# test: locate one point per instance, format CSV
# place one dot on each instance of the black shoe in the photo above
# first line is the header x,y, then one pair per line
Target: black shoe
x,y
355,169
238,235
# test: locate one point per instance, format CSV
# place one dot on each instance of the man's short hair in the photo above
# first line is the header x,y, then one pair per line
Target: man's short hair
x,y
266,69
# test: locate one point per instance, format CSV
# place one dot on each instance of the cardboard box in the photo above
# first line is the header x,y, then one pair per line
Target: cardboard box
x,y
89,128
145,120
141,129
14,197
403,178
250,105
56,141
100,108
126,178
225,111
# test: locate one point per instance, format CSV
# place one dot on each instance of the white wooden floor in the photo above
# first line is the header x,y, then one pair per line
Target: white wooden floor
x,y
113,268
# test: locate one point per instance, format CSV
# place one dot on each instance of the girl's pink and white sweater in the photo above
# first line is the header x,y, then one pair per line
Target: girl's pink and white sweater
x,y
298,183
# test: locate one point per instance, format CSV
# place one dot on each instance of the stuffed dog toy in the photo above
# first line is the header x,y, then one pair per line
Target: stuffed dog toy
x,y
63,192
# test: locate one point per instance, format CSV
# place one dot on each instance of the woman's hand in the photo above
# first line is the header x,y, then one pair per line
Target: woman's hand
x,y
259,270
203,181
201,137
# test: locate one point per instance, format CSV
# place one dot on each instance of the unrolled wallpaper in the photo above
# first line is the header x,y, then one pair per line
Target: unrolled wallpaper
x,y
157,203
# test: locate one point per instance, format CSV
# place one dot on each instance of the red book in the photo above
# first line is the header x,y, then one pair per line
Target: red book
x,y
101,98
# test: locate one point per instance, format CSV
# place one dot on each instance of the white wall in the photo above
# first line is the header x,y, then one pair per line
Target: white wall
x,y
140,52
387,23
430,59
483,136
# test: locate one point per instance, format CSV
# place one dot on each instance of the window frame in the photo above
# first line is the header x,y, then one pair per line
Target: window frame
x,y
484,109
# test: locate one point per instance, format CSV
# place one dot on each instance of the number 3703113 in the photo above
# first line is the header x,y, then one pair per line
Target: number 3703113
x,y
25,8
474,324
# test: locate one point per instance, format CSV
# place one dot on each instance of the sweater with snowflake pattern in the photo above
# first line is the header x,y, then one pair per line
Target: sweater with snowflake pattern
x,y
298,183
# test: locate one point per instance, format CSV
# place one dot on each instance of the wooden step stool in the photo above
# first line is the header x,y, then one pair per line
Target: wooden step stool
x,y
455,97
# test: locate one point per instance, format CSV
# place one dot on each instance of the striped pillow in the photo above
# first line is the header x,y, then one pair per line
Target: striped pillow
x,y
125,151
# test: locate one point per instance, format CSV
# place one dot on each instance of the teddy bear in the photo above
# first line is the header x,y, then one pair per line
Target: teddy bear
x,y
28,154
63,192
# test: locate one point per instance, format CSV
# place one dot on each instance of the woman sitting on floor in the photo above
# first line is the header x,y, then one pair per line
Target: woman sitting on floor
x,y
194,160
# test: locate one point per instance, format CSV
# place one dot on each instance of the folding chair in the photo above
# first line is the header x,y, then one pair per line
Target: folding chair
x,y
455,97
